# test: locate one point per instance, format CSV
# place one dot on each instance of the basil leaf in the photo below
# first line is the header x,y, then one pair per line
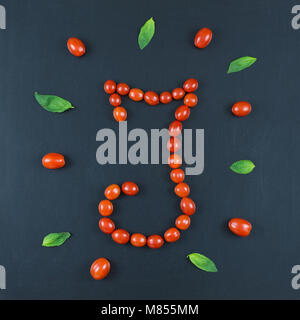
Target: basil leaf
x,y
202,262
146,33
240,64
53,103
56,239
242,167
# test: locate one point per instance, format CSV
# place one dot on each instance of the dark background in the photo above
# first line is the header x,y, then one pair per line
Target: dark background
x,y
35,201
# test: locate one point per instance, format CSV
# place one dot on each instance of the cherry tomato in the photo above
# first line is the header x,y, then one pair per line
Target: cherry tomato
x,y
190,85
155,242
165,97
178,93
120,236
123,89
151,98
110,86
183,222
175,128
120,114
177,175
241,108
203,38
191,100
182,113
130,188
53,161
115,100
174,161
136,94
100,269
138,240
106,225
187,206
173,144
240,227
112,192
182,190
76,47
172,235
106,208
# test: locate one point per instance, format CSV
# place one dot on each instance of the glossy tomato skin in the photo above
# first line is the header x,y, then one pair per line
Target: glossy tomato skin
x,y
106,208
177,175
182,113
155,241
187,206
241,108
178,94
123,89
190,100
53,161
203,38
110,86
112,192
174,161
138,240
106,225
190,85
172,235
100,269
165,97
175,128
183,222
240,227
121,236
182,190
136,94
130,188
115,100
76,47
174,144
151,98
120,114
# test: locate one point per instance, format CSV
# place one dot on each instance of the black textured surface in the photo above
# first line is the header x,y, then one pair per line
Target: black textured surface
x,y
35,201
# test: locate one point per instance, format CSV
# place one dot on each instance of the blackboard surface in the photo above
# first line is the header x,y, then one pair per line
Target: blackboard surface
x,y
35,201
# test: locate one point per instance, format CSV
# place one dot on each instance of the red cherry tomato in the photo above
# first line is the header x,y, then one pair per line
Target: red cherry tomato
x,y
151,98
175,128
120,114
76,47
182,113
177,175
106,225
190,85
190,100
187,206
138,240
240,227
183,222
178,93
106,208
173,144
203,38
130,188
123,89
136,94
120,236
182,190
165,97
172,235
174,161
112,192
110,86
53,161
155,242
115,100
241,108
100,269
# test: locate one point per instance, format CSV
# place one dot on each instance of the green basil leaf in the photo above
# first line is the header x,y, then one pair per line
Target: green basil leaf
x,y
146,33
242,167
53,103
240,64
202,262
55,239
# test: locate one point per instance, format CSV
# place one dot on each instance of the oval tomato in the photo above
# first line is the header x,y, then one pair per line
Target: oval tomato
x,y
175,128
76,47
120,114
136,94
151,98
138,240
155,241
100,269
240,227
190,85
182,190
110,86
121,236
123,89
173,144
106,225
115,100
174,161
112,192
165,97
241,108
203,38
178,93
172,235
106,208
177,175
190,100
187,206
182,113
183,222
130,188
53,161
